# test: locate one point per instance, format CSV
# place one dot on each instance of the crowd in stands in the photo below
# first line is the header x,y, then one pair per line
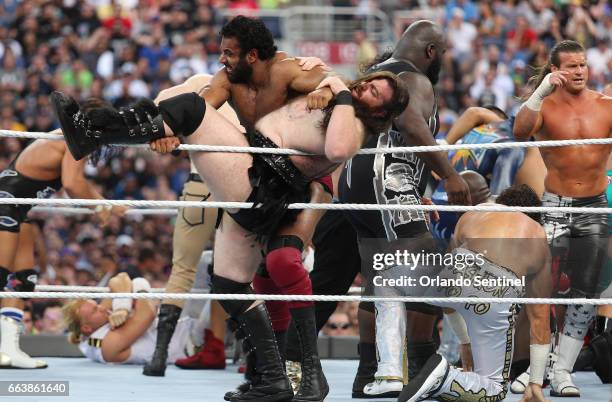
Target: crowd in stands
x,y
133,48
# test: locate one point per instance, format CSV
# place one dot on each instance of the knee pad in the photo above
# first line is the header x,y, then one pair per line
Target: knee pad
x,y
183,113
23,281
285,267
578,319
234,308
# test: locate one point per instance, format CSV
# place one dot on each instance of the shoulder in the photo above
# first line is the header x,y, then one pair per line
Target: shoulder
x,y
417,83
285,67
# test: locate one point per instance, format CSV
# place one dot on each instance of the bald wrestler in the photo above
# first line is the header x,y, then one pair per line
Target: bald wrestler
x,y
510,250
40,170
561,107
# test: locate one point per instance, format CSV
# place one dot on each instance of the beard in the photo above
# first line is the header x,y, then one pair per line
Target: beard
x,y
433,71
241,74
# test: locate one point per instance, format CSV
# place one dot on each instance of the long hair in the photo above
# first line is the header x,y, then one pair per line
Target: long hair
x,y
554,59
379,120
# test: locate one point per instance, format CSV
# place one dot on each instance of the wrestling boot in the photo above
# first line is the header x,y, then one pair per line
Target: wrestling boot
x,y
166,324
313,385
86,132
598,356
429,380
210,357
11,355
272,383
561,383
383,388
366,370
250,374
418,354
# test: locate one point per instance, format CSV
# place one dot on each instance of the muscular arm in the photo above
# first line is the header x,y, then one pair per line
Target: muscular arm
x,y
74,181
528,122
217,92
473,117
414,127
117,344
540,285
298,79
344,134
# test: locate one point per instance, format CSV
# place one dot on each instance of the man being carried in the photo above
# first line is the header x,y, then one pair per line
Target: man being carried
x,y
271,183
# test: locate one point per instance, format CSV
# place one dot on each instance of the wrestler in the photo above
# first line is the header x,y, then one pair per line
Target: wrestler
x,y
401,179
501,167
496,246
104,339
561,107
251,60
193,233
40,170
334,135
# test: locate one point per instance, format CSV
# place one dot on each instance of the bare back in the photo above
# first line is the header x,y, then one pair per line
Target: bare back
x,y
297,127
42,160
509,239
576,171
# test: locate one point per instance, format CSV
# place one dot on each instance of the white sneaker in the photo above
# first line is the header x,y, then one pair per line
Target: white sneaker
x,y
563,385
294,372
384,388
427,382
520,383
9,346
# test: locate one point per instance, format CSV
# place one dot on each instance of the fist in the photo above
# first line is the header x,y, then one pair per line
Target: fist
x,y
118,318
165,145
558,78
319,98
334,83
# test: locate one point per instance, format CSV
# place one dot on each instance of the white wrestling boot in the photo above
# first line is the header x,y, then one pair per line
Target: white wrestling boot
x,y
427,382
381,388
520,383
4,361
9,346
562,384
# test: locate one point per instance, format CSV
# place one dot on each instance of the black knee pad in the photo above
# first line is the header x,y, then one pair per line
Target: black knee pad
x,y
285,241
367,306
24,281
183,113
221,285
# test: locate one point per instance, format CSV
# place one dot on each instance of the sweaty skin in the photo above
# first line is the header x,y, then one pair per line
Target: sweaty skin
x,y
572,111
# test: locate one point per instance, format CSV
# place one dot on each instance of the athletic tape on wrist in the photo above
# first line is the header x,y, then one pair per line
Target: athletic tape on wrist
x,y
122,304
344,98
538,358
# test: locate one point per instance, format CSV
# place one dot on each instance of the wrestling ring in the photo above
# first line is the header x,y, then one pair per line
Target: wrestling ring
x,y
92,382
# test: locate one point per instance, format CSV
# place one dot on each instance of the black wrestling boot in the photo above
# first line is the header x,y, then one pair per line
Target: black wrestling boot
x,y
366,370
84,133
418,354
250,373
166,324
272,382
313,386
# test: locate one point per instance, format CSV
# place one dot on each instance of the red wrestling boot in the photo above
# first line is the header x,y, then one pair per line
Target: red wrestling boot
x,y
210,357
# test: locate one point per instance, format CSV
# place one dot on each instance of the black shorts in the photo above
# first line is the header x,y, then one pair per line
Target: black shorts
x,y
276,183
15,185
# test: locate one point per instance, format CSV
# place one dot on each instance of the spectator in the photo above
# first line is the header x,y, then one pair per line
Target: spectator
x,y
52,319
338,324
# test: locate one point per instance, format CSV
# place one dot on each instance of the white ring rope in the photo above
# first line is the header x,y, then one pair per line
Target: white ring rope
x,y
191,296
366,151
104,289
87,211
359,207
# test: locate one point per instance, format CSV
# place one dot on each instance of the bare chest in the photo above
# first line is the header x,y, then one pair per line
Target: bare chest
x,y
251,105
564,123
